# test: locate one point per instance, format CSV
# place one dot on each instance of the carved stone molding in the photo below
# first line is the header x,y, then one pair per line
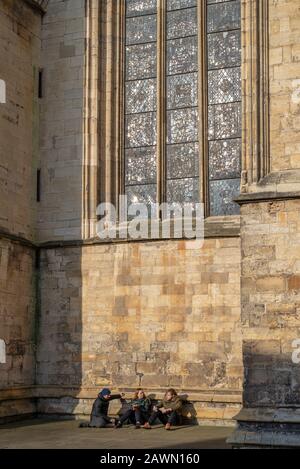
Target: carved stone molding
x,y
91,120
256,96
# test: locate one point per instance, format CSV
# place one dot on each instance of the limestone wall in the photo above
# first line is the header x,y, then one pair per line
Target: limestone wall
x,y
270,302
18,324
284,84
19,64
61,142
156,314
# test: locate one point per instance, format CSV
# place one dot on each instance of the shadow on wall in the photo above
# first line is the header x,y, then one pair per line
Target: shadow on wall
x,y
271,380
60,354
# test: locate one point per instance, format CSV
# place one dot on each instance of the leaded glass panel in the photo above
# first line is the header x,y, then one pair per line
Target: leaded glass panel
x,y
141,29
224,17
140,7
140,96
182,90
140,130
183,190
217,1
141,61
224,50
224,100
222,194
224,85
183,160
143,194
225,159
182,125
140,166
182,55
182,23
177,4
224,121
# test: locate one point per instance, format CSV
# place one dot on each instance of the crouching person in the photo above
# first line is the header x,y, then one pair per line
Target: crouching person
x,y
99,416
168,411
138,412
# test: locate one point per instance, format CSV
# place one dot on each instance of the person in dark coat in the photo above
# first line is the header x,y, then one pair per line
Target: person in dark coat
x,y
99,416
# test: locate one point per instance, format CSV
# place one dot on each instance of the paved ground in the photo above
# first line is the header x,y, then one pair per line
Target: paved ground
x,y
46,434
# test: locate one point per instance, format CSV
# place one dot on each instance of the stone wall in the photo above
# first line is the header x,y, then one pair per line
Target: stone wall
x,y
155,314
270,302
271,324
19,64
284,84
61,142
18,325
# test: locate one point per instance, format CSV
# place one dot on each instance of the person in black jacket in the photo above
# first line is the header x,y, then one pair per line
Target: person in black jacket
x,y
99,416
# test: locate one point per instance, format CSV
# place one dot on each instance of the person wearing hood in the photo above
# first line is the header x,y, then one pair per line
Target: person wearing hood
x,y
99,415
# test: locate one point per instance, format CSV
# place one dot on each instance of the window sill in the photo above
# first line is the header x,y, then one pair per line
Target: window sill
x,y
214,227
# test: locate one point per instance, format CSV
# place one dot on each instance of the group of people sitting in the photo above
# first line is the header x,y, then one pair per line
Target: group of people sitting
x,y
140,411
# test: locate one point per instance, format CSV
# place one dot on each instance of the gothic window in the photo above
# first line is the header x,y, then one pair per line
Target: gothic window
x,y
164,125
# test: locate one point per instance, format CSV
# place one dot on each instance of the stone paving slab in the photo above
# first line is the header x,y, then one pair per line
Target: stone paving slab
x,y
65,434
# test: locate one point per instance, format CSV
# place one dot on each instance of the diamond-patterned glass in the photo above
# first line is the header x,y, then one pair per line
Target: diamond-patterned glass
x,y
182,91
142,194
225,159
141,61
224,50
224,85
182,23
140,166
224,121
183,190
224,100
141,29
224,16
140,130
182,160
177,4
140,7
182,55
182,125
140,96
222,194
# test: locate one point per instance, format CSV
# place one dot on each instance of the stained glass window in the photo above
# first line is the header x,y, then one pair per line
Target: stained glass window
x,y
141,101
179,113
224,104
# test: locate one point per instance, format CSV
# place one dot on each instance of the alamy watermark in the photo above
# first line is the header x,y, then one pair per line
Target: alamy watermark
x,y
296,352
2,92
150,221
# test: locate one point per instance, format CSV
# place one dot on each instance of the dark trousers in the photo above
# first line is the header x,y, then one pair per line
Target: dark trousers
x,y
173,417
99,421
134,416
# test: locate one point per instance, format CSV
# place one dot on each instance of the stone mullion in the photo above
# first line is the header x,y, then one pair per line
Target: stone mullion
x,y
120,100
161,101
203,106
264,124
91,100
255,80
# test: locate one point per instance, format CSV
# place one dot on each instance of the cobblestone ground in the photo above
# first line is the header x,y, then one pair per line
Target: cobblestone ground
x,y
46,434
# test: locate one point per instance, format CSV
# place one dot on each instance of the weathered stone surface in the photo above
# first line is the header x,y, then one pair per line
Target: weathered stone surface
x,y
147,332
